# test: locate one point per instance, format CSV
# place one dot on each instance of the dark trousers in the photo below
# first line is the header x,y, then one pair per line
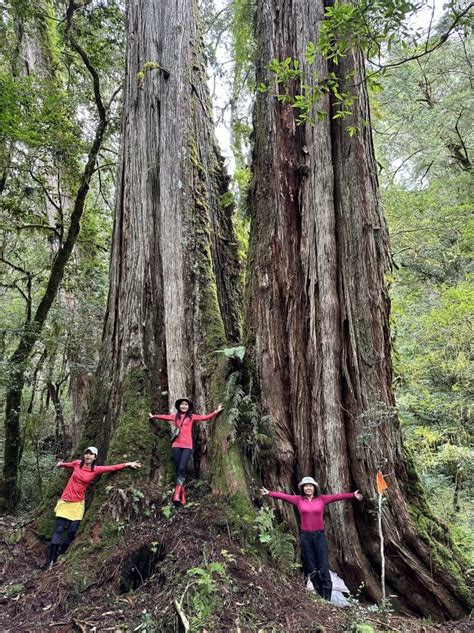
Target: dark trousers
x,y
64,526
314,548
181,458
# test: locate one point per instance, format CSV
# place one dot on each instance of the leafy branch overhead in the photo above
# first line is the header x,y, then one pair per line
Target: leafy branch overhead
x,y
377,29
289,71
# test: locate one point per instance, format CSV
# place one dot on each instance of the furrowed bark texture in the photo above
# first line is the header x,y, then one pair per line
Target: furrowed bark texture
x,y
173,296
319,326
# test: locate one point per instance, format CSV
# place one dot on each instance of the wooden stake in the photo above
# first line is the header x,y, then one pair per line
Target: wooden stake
x,y
382,554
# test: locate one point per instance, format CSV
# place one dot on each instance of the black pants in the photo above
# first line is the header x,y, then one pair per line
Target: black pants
x,y
314,548
64,526
181,458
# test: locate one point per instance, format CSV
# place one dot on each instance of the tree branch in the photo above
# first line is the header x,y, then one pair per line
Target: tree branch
x,y
43,227
45,191
427,51
404,161
466,162
15,267
15,286
87,63
114,94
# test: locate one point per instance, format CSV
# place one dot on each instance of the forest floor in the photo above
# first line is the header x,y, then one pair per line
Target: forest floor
x,y
195,557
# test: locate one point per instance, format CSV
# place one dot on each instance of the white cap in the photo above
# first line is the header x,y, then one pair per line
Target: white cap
x,y
308,480
92,449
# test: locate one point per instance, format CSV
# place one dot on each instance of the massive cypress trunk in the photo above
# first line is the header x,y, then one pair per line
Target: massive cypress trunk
x,y
319,327
173,296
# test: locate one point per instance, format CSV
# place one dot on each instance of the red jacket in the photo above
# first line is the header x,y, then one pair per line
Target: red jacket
x,y
76,487
185,438
311,511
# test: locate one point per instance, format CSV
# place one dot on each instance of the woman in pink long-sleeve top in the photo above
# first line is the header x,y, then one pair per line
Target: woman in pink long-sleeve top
x,y
314,546
182,440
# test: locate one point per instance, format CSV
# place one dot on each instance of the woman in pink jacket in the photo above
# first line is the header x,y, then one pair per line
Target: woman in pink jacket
x,y
314,546
182,439
69,509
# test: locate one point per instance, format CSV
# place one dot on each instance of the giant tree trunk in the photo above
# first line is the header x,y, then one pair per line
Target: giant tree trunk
x,y
173,296
319,328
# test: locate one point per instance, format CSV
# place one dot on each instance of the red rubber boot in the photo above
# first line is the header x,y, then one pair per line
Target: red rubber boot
x,y
176,498
182,498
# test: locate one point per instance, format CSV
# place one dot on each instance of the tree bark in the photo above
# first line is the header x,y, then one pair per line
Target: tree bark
x,y
319,335
173,296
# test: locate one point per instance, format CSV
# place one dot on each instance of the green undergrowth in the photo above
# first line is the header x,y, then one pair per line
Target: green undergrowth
x,y
259,533
219,558
445,555
280,545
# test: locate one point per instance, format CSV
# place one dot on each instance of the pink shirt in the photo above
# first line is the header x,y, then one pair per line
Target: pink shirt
x,y
185,438
76,487
311,510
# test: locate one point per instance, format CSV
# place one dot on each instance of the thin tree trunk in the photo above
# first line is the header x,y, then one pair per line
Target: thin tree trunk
x,y
9,493
35,57
319,315
62,446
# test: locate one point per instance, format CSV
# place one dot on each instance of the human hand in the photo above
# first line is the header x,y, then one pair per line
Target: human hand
x,y
59,464
134,464
263,492
150,416
220,407
358,496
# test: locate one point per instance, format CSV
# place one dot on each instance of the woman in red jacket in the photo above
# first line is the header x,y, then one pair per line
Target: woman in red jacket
x,y
69,509
314,545
182,440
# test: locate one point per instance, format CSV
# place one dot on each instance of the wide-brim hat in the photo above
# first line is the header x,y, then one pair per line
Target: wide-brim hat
x,y
308,480
180,400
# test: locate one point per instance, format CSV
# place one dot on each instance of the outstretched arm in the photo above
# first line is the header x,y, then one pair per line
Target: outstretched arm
x,y
161,416
343,496
208,416
293,499
67,464
113,467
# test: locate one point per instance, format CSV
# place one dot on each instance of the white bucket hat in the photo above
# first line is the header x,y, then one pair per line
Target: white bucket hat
x,y
92,449
308,480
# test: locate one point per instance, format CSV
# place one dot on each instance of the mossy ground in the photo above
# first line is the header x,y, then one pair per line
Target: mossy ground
x,y
126,574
